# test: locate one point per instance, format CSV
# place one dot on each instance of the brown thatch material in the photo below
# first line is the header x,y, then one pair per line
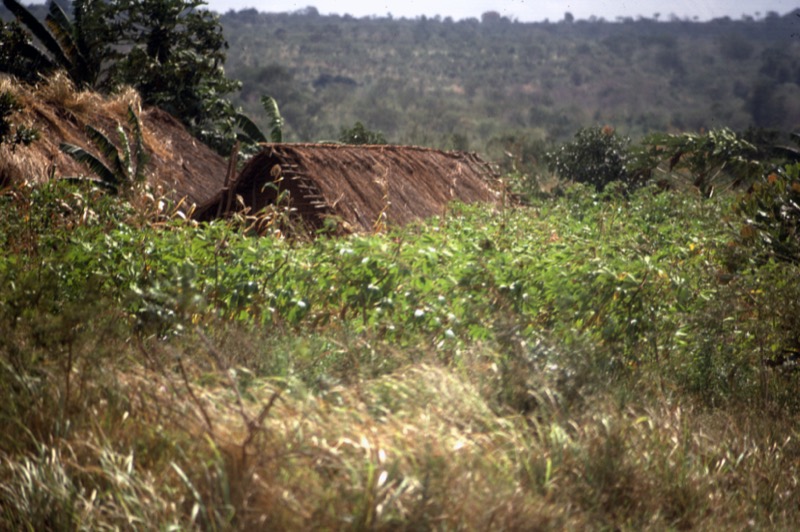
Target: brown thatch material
x,y
180,166
358,186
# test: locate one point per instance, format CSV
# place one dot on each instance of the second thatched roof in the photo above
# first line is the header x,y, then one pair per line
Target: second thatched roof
x,y
360,187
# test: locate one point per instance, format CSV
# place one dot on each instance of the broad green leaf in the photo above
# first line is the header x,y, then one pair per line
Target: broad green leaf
x,y
95,164
250,129
141,157
107,150
275,118
38,30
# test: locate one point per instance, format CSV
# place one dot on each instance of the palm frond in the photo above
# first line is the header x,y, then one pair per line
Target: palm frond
x,y
61,28
38,30
250,131
275,118
72,39
124,155
96,165
141,157
107,150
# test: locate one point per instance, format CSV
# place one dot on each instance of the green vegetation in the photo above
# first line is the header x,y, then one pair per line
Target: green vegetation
x,y
174,56
77,46
596,356
252,134
706,160
597,156
359,134
127,165
772,216
11,133
499,86
589,360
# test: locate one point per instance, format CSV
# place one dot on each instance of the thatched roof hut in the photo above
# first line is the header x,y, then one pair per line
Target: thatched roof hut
x,y
357,186
180,166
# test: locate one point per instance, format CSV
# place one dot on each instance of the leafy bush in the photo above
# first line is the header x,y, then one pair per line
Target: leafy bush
x,y
359,134
717,159
21,134
771,212
18,56
174,59
191,376
596,157
80,45
171,51
128,163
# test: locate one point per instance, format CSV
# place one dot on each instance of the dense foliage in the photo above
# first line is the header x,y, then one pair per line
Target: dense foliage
x,y
80,45
174,54
601,357
359,134
127,164
597,156
160,367
772,211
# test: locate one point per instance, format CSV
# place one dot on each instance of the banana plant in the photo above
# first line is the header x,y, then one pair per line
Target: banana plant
x,y
73,45
127,163
252,134
275,119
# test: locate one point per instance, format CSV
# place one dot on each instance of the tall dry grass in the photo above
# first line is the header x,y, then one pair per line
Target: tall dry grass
x,y
189,438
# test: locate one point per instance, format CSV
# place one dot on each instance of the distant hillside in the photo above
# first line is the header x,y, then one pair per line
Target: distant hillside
x,y
488,84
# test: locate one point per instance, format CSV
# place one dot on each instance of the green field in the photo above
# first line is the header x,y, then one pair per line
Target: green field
x,y
585,361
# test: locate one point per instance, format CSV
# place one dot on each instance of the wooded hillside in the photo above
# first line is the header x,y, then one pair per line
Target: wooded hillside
x,y
496,85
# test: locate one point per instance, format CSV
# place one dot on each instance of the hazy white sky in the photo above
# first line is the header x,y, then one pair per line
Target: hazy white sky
x,y
523,10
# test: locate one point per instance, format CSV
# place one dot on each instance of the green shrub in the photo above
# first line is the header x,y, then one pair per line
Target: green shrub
x,y
712,161
129,162
771,216
596,157
359,134
560,355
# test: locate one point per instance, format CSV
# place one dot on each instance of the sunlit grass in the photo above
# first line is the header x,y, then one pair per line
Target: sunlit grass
x,y
574,364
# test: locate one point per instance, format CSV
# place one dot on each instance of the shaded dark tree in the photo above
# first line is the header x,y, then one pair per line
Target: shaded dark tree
x,y
597,156
174,56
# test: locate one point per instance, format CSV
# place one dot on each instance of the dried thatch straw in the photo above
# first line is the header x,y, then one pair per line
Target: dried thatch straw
x,y
360,186
180,166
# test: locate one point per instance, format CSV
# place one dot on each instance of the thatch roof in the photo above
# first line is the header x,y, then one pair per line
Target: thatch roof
x,y
358,186
180,166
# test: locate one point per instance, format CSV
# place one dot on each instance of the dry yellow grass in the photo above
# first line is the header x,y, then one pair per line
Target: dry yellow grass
x,y
187,437
423,448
